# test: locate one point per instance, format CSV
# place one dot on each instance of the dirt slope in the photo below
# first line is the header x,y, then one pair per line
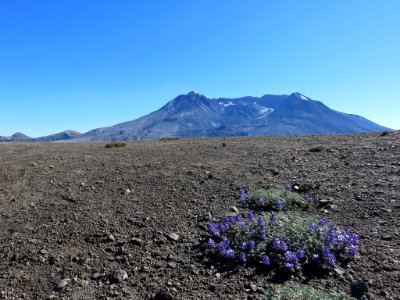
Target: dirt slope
x,y
75,217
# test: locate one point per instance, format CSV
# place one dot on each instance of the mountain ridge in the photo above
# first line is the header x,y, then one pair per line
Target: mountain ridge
x,y
194,115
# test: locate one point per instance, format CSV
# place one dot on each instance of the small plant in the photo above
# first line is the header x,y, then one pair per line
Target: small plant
x,y
273,199
281,240
169,138
115,145
303,292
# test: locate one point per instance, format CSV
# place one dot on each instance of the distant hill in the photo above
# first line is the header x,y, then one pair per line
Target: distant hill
x,y
62,136
195,115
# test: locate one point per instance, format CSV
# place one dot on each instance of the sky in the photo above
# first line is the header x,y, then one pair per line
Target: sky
x,y
84,64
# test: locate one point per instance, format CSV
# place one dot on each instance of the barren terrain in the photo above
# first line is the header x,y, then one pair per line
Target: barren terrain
x,y
78,221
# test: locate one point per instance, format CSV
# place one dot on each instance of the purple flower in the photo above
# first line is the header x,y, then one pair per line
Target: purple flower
x,y
323,221
213,229
211,243
279,205
261,201
243,225
228,253
261,222
291,260
280,244
313,227
243,257
315,257
263,234
265,260
273,218
328,256
352,250
242,196
288,187
300,253
243,246
223,244
310,199
252,244
250,216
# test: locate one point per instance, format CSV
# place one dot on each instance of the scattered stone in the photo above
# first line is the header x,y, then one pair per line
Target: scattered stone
x,y
163,295
173,236
324,202
43,252
206,216
172,265
119,276
386,237
96,276
137,241
359,289
234,209
63,283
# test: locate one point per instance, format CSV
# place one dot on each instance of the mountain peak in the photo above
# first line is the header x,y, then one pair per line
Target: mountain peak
x,y
300,96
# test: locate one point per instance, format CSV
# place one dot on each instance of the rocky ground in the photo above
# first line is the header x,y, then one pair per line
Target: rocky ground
x,y
79,221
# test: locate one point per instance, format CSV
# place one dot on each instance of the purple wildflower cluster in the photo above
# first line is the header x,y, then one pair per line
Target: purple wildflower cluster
x,y
274,240
334,239
239,236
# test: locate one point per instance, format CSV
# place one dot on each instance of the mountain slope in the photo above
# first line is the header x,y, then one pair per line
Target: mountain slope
x,y
195,115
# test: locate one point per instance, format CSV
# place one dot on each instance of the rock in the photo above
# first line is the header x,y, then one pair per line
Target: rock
x,y
172,265
234,209
253,287
339,271
324,202
96,276
163,295
111,237
386,237
137,241
119,276
206,216
128,191
63,283
173,236
43,252
359,289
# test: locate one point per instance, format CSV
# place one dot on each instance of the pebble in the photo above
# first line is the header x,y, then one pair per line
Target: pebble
x,y
206,216
136,241
63,283
234,209
253,287
128,191
43,251
119,276
173,236
386,237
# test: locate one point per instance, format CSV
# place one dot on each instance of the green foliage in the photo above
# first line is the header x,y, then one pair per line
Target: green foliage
x,y
115,145
302,292
169,138
320,148
272,196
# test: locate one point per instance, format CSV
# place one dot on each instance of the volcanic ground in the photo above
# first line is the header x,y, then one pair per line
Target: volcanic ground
x,y
79,221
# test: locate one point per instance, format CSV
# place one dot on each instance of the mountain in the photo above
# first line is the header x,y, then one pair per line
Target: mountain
x,y
61,136
195,115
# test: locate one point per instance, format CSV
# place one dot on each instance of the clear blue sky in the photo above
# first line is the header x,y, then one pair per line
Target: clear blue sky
x,y
82,64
